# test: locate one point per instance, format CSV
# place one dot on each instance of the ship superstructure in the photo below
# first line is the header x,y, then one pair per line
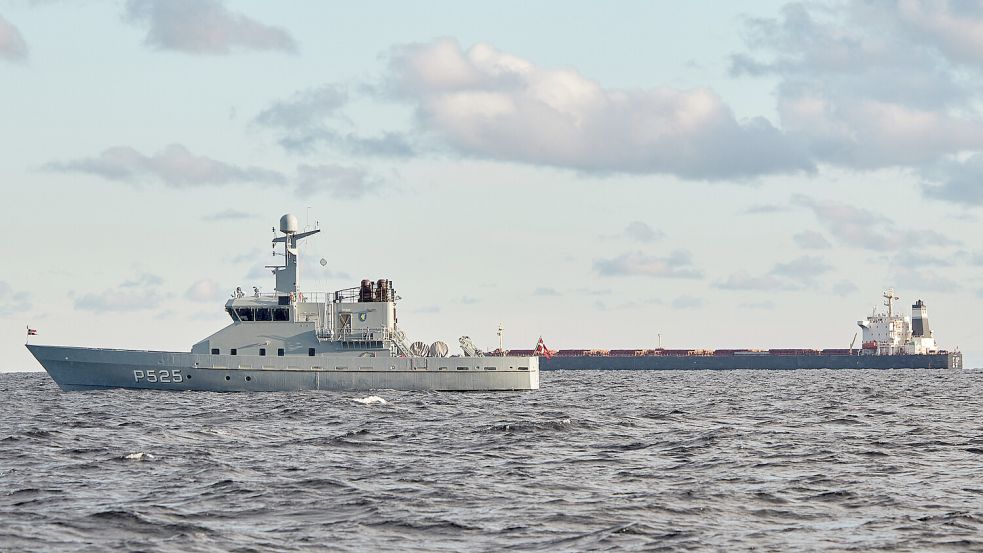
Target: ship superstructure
x,y
294,340
360,319
890,333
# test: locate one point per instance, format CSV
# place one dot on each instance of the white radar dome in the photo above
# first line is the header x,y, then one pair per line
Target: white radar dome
x,y
288,224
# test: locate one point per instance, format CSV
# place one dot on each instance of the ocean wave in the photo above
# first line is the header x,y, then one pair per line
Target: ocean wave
x,y
138,456
600,461
534,426
371,400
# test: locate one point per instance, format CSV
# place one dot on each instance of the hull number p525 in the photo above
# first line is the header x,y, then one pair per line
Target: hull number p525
x,y
163,375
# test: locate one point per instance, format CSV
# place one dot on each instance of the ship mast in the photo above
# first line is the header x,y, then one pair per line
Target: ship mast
x,y
889,298
288,276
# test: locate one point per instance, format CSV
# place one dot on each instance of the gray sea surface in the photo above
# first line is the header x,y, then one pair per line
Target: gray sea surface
x,y
688,460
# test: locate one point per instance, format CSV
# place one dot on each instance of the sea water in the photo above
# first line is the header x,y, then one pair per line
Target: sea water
x,y
733,460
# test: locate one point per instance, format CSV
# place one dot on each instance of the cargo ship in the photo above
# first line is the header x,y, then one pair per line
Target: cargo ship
x,y
890,341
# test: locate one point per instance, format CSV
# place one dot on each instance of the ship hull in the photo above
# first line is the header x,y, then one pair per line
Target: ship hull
x,y
751,362
76,369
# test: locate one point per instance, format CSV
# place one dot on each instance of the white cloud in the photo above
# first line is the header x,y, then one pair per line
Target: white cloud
x,y
487,103
637,230
790,275
628,305
545,291
12,45
959,181
687,302
259,273
765,209
811,240
869,134
678,264
849,49
204,290
803,268
116,300
921,279
956,28
767,304
134,294
594,291
229,215
204,27
867,85
742,280
337,181
143,280
917,270
177,167
844,288
308,119
858,227
174,166
305,109
13,303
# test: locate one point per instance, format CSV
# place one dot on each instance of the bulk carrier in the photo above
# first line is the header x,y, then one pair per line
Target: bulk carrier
x,y
890,341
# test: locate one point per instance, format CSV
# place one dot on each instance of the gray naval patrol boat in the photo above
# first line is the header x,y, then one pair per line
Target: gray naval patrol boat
x,y
291,340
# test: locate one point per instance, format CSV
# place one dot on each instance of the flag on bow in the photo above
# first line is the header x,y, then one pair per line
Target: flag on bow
x,y
541,349
31,331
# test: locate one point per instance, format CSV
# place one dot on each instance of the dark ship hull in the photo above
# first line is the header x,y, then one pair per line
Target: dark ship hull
x,y
952,360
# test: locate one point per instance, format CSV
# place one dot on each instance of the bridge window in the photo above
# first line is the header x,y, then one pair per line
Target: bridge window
x,y
283,300
310,352
263,314
279,352
245,313
214,351
232,314
262,352
281,314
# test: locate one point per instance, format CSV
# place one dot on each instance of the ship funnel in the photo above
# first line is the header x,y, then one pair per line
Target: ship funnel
x,y
919,320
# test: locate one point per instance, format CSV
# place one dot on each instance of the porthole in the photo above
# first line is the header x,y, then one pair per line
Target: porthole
x,y
227,377
248,378
188,377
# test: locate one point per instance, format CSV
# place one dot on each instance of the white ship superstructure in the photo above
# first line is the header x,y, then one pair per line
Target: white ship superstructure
x,y
360,319
890,333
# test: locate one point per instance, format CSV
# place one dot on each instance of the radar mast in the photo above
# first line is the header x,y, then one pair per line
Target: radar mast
x,y
288,275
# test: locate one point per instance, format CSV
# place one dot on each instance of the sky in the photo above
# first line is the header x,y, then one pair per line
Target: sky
x,y
714,175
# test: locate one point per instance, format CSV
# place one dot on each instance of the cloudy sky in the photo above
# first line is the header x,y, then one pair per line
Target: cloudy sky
x,y
594,174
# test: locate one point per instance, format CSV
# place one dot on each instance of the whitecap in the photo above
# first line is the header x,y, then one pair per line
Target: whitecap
x,y
139,456
371,400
